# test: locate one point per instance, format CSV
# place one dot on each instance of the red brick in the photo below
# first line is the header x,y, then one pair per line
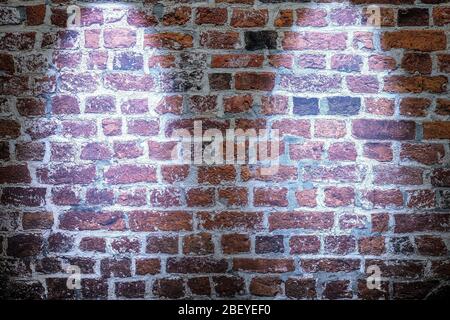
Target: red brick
x,y
342,151
430,246
215,16
233,196
94,288
124,174
423,153
440,177
281,60
306,198
436,130
370,294
329,128
299,219
263,265
115,267
344,173
384,198
414,107
330,265
229,286
159,221
382,106
132,290
381,63
399,268
57,289
162,244
441,16
79,129
9,129
141,18
177,16
168,288
200,244
421,222
378,151
304,244
24,245
310,82
37,220
263,81
119,38
352,221
174,173
243,18
418,290
231,220
311,17
93,244
340,244
417,63
386,174
95,151
284,18
165,197
219,40
371,245
301,288
362,84
125,245
272,197
92,38
217,174
129,82
235,243
314,41
65,195
196,265
380,222
79,82
148,266
132,197
58,242
141,127
23,196
363,40
338,289
127,150
339,196
421,199
112,127
200,197
383,129
421,40
66,174
443,107
35,14
415,84
168,40
265,286
90,220
299,128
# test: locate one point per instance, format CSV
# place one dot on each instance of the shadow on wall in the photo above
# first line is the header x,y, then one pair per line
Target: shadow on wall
x,y
87,114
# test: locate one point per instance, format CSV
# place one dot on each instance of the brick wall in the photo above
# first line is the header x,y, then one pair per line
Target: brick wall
x,y
86,176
